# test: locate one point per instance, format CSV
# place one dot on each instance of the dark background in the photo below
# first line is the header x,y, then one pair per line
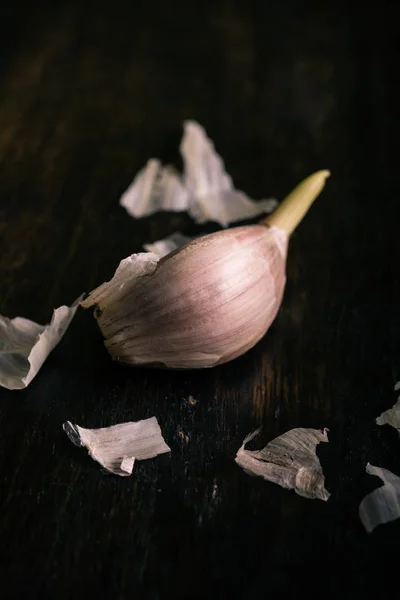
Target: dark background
x,y
89,92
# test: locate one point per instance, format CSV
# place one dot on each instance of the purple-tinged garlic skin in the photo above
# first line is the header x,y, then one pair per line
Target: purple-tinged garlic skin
x,y
205,304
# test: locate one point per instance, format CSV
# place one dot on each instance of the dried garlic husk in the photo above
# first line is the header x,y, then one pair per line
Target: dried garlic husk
x,y
383,504
117,447
289,460
392,415
206,303
169,244
205,189
25,345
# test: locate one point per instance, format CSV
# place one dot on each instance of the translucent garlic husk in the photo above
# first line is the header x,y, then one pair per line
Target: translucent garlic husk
x,y
206,303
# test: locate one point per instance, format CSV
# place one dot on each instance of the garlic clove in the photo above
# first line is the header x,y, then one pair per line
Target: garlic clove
x,y
205,303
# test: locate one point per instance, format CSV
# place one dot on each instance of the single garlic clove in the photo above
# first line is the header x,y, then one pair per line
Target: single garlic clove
x,y
203,305
206,303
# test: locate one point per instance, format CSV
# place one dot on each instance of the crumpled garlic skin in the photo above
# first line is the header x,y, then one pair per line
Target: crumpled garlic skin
x,y
117,447
392,415
25,345
383,504
205,189
289,460
203,305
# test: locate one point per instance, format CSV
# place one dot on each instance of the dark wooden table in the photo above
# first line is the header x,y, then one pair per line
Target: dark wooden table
x,y
87,95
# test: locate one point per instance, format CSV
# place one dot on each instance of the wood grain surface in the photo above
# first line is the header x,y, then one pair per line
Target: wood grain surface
x,y
87,94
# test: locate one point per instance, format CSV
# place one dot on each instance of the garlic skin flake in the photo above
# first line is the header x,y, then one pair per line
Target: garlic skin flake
x,y
155,188
205,190
289,460
169,244
25,345
200,306
117,447
392,415
383,504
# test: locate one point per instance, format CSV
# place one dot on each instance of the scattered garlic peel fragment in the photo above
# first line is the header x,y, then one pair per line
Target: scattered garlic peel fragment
x,y
392,415
289,460
117,447
155,188
169,244
383,504
25,345
205,190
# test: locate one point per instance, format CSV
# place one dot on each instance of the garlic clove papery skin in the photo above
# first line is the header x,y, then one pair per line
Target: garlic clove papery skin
x,y
203,305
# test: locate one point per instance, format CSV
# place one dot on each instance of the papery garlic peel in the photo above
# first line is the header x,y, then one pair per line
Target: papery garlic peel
x,y
210,301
